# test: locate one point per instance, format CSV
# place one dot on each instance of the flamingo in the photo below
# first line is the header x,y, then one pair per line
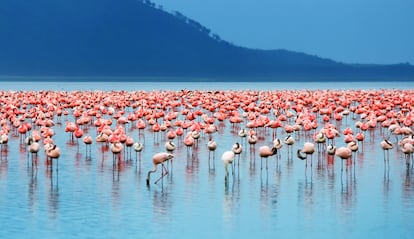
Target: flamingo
x,y
277,143
87,140
289,141
212,146
386,146
34,146
116,149
308,148
159,158
170,146
188,141
252,139
4,138
102,137
78,133
53,152
243,133
138,147
195,134
353,146
408,150
71,128
129,142
265,152
344,153
320,140
237,149
331,149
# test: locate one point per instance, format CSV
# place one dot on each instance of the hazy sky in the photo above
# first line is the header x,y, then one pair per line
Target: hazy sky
x,y
351,31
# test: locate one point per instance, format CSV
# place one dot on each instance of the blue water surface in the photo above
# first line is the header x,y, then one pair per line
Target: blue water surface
x,y
90,198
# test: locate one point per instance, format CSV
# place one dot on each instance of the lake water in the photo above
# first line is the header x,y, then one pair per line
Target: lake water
x,y
90,198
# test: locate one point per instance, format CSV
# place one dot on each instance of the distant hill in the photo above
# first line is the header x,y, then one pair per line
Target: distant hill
x,y
137,38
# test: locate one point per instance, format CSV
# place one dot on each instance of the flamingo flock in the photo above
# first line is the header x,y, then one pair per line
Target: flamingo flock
x,y
338,122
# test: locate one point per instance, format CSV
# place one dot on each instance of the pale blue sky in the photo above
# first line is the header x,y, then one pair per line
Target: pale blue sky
x,y
351,31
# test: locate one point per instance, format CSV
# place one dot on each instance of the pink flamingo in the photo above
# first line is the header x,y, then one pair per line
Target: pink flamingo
x,y
4,138
159,158
308,148
53,152
344,153
188,141
277,143
116,149
170,146
212,146
289,141
70,127
87,140
237,150
138,147
331,149
78,134
320,140
265,152
386,146
129,142
252,140
34,147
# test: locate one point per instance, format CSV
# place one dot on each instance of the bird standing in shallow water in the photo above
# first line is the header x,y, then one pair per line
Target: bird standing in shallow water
x,y
159,158
277,143
53,152
289,141
237,149
243,133
33,147
170,146
386,146
212,146
265,152
331,149
408,150
138,147
308,148
320,140
344,153
116,149
252,139
88,141
4,138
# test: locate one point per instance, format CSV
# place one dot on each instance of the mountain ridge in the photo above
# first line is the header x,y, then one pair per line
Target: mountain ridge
x,y
134,38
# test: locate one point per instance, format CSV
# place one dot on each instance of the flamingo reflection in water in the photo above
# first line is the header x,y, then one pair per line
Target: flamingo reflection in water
x,y
228,158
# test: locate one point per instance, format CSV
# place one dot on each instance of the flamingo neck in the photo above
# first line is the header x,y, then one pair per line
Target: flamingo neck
x,y
299,153
274,150
149,173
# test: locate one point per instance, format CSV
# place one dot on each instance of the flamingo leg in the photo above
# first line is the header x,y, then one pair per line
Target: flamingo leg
x,y
164,172
311,159
261,160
